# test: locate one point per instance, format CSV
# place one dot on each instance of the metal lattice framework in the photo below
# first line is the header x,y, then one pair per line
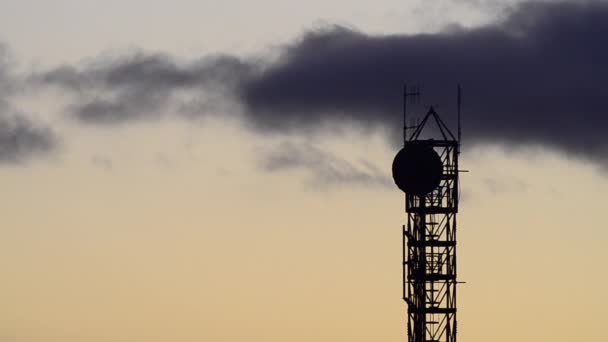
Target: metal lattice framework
x,y
429,243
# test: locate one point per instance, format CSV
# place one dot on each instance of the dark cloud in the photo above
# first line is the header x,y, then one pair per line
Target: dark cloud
x,y
538,77
142,86
323,169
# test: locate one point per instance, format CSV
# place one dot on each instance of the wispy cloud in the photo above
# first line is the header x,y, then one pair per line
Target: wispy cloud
x,y
323,169
20,137
138,85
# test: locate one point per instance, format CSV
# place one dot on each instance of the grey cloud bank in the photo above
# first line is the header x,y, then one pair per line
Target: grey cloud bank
x,y
536,77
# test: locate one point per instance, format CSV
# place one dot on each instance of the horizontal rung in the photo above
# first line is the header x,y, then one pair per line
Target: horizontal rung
x,y
430,243
431,210
432,277
432,310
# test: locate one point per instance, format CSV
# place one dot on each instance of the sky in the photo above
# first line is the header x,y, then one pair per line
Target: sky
x,y
200,171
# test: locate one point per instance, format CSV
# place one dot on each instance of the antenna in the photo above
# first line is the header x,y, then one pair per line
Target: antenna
x,y
459,122
413,96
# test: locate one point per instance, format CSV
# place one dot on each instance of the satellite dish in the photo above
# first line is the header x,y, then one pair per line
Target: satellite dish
x,y
417,169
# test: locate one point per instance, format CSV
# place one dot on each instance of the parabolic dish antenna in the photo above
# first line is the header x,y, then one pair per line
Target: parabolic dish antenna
x,y
417,169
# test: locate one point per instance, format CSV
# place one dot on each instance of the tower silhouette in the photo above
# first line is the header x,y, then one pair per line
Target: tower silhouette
x,y
426,169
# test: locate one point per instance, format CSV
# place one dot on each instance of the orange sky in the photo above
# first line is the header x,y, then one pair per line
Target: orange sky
x,y
188,244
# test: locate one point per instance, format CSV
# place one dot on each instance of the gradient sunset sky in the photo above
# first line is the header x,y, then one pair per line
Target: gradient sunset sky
x,y
219,171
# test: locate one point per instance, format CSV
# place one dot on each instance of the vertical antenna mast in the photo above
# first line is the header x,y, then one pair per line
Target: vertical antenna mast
x,y
459,122
404,113
414,94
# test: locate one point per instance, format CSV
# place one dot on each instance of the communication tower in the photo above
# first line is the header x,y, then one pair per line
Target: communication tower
x,y
426,169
